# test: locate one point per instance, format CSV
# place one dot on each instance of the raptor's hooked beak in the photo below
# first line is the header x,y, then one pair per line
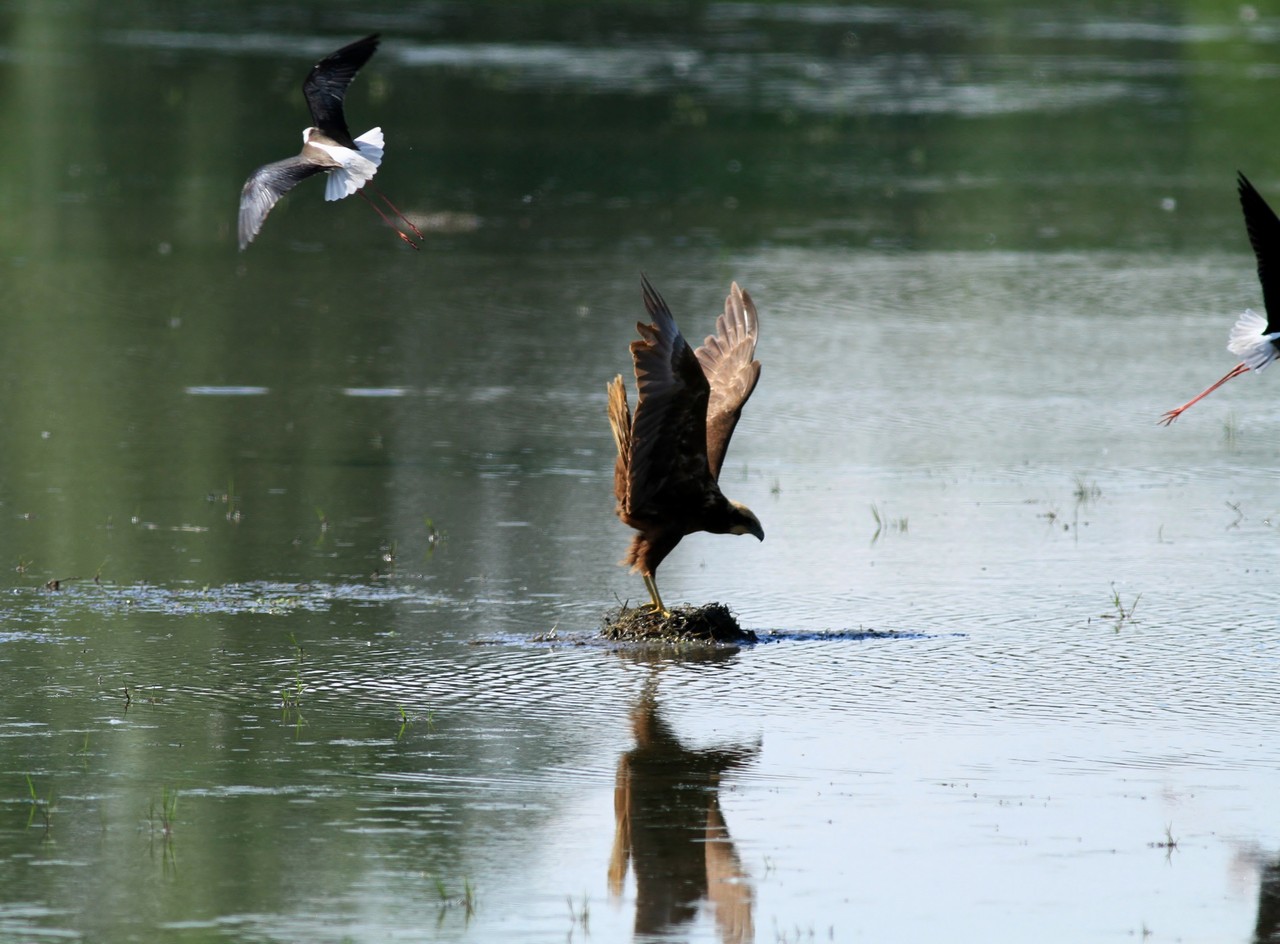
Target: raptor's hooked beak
x,y
748,523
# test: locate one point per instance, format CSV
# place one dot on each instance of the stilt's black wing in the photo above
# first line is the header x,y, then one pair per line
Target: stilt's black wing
x,y
1264,233
265,187
327,84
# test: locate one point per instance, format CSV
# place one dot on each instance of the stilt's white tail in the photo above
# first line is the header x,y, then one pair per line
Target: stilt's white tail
x,y
370,144
1250,344
358,166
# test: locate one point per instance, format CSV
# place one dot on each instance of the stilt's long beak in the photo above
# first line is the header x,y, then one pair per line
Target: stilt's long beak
x,y
1173,414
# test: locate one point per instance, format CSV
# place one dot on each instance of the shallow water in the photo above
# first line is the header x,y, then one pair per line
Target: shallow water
x,y
331,521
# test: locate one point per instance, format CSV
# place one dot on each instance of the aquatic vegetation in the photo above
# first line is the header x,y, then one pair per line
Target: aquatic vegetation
x,y
551,635
1168,842
291,694
1120,613
155,699
59,583
465,901
435,537
1230,431
1054,518
388,554
1085,491
162,818
797,934
885,523
41,806
579,915
228,498
291,699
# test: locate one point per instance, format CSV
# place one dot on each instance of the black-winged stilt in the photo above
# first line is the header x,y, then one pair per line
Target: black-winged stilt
x,y
327,146
1254,339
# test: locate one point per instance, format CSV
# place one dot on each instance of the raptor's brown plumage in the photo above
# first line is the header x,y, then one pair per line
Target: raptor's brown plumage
x,y
671,452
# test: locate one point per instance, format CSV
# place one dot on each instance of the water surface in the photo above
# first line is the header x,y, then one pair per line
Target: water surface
x,y
313,511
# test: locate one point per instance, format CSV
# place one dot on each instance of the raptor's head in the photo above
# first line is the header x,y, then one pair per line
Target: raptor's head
x,y
742,520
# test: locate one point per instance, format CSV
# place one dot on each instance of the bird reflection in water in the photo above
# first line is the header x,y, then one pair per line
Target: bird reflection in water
x,y
1267,929
1252,860
671,832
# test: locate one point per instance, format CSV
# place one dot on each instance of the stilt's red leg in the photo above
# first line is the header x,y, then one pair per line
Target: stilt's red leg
x,y
1173,414
377,209
396,211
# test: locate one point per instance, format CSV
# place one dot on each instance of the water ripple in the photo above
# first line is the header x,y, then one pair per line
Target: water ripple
x,y
255,596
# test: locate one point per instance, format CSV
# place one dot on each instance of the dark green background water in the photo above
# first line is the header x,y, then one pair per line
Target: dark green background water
x,y
332,489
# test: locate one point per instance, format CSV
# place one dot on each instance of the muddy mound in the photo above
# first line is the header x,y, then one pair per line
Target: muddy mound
x,y
713,623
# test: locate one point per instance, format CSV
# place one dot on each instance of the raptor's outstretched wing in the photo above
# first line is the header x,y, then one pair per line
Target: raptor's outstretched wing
x,y
728,361
669,432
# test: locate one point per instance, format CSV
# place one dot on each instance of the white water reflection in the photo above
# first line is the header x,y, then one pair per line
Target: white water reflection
x,y
227,391
860,80
375,391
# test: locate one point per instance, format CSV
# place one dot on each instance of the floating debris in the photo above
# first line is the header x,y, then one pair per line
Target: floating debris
x,y
713,623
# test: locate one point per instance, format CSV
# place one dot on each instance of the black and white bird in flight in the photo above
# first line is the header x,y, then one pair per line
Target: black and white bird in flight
x,y
327,146
1254,339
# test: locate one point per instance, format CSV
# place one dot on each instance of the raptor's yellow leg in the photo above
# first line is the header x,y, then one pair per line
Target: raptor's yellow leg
x,y
652,585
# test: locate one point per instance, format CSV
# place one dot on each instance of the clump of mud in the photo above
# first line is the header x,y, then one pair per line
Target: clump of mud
x,y
713,623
